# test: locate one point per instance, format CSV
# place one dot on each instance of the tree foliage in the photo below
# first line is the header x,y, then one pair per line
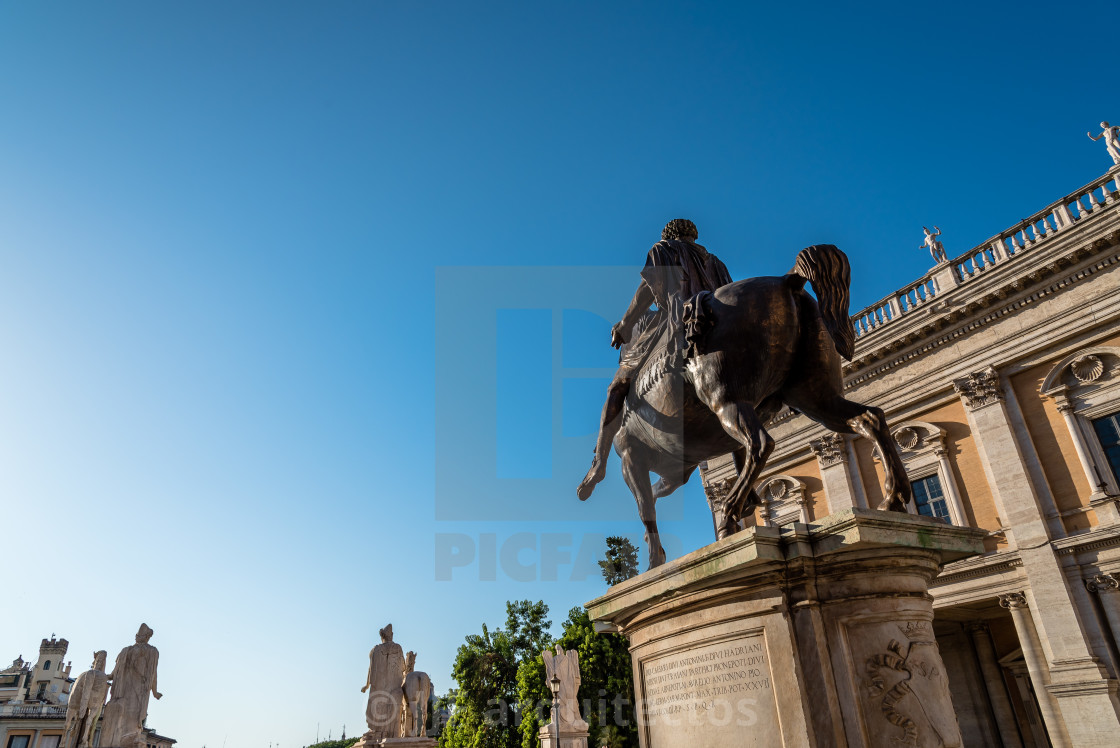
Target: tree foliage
x,y
502,698
621,560
486,703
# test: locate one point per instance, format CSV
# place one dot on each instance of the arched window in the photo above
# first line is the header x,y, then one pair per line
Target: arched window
x,y
47,665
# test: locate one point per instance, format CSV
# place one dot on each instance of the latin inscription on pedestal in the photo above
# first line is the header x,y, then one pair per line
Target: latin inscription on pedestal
x,y
711,695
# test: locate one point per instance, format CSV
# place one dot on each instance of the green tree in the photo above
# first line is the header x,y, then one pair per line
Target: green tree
x,y
621,560
487,698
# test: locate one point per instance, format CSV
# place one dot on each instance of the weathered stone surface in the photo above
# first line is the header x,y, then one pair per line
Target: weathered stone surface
x,y
815,635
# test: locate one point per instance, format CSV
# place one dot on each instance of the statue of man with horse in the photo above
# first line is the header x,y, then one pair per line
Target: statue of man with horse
x,y
700,376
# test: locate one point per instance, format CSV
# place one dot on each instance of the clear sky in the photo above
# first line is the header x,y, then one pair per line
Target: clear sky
x,y
233,235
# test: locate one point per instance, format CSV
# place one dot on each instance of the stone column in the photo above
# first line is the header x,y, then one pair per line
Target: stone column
x,y
1107,588
1016,602
956,506
832,456
1076,678
995,685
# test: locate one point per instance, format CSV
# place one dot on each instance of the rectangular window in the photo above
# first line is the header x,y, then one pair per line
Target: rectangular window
x,y
50,741
1108,431
19,741
930,498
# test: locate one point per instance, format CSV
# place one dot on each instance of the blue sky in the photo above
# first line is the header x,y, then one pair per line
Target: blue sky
x,y
231,238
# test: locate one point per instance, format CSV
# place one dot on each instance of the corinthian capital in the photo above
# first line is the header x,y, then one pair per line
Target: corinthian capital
x,y
829,449
979,388
1103,583
1013,600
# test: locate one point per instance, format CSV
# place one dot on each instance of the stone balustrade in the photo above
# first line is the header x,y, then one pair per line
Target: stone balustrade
x,y
42,711
1004,247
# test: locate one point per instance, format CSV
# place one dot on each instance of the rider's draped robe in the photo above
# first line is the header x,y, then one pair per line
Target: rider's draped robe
x,y
675,271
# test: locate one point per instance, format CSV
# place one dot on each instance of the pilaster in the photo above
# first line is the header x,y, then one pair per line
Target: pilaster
x,y
1076,679
832,457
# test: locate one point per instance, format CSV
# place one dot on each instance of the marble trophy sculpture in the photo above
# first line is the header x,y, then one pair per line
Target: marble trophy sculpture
x,y
1111,136
417,690
134,679
702,375
87,699
567,728
389,716
934,245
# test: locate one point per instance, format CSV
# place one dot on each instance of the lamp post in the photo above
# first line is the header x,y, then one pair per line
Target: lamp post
x,y
554,684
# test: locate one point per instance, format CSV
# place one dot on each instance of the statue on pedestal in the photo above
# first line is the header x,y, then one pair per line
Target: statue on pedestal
x,y
936,248
87,699
417,689
384,681
134,679
1111,135
564,665
726,357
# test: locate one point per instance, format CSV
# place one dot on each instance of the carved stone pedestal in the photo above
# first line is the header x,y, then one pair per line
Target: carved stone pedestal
x,y
368,741
550,739
814,636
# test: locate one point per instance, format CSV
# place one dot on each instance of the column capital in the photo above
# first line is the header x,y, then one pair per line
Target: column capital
x,y
1013,601
830,450
979,388
976,627
1103,583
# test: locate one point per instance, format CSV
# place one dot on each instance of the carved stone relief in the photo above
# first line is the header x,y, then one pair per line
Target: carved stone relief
x,y
829,449
979,388
906,688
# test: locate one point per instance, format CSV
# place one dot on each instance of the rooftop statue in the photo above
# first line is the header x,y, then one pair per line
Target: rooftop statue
x,y
715,362
134,679
86,702
936,248
1111,135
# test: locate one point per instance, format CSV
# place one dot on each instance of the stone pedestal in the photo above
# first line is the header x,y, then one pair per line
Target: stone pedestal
x,y
368,741
565,739
813,636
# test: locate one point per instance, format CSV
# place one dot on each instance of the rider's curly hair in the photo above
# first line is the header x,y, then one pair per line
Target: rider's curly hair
x,y
680,228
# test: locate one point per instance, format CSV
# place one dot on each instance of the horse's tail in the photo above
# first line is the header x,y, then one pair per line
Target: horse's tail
x,y
827,269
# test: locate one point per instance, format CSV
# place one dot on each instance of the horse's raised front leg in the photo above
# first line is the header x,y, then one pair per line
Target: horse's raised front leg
x,y
637,479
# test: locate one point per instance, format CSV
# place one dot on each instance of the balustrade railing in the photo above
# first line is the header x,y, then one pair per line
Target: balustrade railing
x,y
42,711
1004,247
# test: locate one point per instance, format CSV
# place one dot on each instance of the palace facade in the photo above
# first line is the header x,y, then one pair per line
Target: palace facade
x,y
999,372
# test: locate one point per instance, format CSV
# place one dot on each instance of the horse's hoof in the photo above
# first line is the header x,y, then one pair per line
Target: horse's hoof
x,y
596,474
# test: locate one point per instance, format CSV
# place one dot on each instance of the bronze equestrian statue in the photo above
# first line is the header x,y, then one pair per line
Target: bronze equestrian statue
x,y
713,365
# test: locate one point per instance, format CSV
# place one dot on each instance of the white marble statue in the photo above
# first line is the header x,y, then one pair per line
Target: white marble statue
x,y
134,679
417,689
936,248
565,666
386,674
1111,135
87,699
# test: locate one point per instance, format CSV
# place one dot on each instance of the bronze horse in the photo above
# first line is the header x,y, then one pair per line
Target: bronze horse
x,y
761,343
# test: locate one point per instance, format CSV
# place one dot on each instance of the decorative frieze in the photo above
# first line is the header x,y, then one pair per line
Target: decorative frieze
x,y
979,388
